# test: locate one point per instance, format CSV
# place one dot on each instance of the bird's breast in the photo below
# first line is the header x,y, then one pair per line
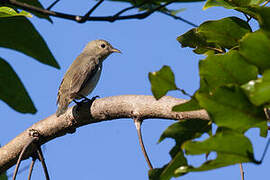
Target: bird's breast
x,y
91,83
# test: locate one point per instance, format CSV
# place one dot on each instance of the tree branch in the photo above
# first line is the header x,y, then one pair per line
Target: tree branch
x,y
82,19
109,108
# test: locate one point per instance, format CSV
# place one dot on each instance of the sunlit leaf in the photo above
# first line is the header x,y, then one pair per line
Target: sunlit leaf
x,y
8,12
258,91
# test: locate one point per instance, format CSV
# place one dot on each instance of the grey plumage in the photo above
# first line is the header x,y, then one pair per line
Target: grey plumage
x,y
83,74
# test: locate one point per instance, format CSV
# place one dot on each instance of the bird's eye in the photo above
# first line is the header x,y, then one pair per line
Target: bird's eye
x,y
103,45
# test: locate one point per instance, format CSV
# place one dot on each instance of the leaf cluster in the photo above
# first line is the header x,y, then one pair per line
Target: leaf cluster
x,y
234,90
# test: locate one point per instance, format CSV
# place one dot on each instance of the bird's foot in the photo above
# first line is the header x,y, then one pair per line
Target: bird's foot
x,y
86,100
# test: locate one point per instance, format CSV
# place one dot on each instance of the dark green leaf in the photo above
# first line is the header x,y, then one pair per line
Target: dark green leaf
x,y
181,131
263,14
197,40
8,12
255,47
162,81
258,91
19,34
190,105
229,107
231,148
12,90
226,32
3,176
228,68
185,130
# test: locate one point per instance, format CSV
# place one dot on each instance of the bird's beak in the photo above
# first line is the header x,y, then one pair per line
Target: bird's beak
x,y
115,50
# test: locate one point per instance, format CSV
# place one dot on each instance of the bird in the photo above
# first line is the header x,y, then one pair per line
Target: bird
x,y
83,74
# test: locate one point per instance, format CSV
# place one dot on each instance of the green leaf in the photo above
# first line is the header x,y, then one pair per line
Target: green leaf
x,y
226,32
12,90
231,148
162,81
231,4
190,105
255,48
19,34
8,12
258,91
228,68
185,130
215,35
229,107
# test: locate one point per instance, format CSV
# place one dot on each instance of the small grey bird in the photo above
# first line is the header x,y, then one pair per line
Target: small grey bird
x,y
83,74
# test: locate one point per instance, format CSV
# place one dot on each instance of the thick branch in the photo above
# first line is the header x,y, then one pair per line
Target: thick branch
x,y
110,108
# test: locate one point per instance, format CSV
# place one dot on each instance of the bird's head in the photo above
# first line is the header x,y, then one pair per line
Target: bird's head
x,y
100,48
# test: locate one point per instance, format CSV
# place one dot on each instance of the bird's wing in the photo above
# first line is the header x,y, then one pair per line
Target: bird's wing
x,y
82,75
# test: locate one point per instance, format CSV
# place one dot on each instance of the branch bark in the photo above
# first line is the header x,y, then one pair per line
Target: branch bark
x,y
109,108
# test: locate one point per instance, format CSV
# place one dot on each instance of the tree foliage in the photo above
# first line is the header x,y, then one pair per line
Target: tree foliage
x,y
234,89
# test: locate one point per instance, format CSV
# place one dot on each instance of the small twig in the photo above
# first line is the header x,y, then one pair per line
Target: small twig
x,y
138,123
179,18
242,172
21,156
53,4
42,160
84,18
79,18
184,92
31,168
247,17
265,150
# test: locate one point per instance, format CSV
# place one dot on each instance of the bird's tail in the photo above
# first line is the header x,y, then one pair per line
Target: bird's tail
x,y
62,107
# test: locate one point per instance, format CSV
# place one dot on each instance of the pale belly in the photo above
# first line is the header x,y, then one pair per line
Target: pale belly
x,y
91,84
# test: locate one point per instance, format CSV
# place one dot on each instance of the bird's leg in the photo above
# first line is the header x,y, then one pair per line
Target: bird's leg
x,y
138,123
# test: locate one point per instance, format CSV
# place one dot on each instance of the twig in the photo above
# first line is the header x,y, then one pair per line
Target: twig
x,y
21,155
31,168
53,4
138,124
179,18
265,150
78,18
266,3
242,172
42,160
84,18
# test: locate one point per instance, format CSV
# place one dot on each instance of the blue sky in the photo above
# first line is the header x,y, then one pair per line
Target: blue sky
x,y
110,150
